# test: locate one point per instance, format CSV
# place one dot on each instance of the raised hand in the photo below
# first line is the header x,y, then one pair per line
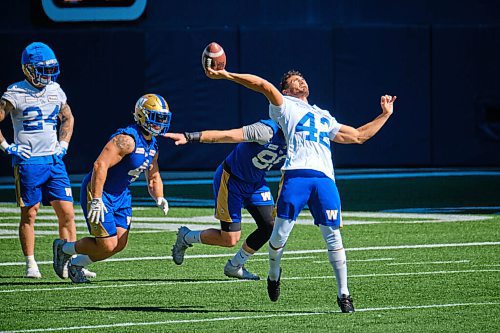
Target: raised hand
x,y
387,104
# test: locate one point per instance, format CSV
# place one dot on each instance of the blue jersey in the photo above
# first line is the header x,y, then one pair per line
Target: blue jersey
x,y
131,166
250,161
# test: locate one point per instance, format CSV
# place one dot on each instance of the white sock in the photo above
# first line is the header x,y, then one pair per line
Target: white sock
x,y
338,261
194,236
240,258
82,260
281,230
274,263
30,261
336,256
69,248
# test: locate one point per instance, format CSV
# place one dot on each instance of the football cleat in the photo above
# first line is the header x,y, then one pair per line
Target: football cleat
x,y
153,114
85,271
345,303
76,274
59,258
180,245
32,273
273,288
239,272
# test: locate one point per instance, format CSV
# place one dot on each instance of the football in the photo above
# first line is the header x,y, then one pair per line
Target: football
x,y
213,56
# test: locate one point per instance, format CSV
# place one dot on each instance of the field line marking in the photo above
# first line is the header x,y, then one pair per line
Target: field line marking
x,y
166,283
284,315
204,256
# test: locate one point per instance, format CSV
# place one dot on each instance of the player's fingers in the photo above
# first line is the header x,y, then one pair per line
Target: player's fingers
x,y
394,99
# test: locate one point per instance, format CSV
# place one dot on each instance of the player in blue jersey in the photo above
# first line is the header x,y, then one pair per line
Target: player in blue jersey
x,y
36,106
105,196
238,182
308,175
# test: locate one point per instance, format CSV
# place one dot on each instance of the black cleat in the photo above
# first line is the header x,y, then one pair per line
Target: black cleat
x,y
273,288
345,303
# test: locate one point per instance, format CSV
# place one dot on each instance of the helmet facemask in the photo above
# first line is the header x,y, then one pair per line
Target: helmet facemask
x,y
155,121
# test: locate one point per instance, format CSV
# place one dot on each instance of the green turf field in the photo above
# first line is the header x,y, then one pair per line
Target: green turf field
x,y
407,273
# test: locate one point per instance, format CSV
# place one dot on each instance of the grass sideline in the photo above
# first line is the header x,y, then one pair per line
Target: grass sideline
x,y
407,273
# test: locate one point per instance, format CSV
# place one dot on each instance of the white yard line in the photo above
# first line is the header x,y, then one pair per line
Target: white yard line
x,y
250,317
368,248
356,260
428,262
178,283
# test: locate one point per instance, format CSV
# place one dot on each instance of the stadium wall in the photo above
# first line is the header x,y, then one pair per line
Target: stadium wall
x,y
439,57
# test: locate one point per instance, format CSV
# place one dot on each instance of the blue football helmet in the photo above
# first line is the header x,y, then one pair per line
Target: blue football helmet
x,y
40,64
152,114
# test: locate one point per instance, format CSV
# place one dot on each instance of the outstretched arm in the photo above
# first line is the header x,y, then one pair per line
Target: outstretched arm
x,y
360,135
209,136
249,81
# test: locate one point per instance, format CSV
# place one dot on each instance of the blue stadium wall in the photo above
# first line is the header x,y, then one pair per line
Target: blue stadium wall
x,y
441,58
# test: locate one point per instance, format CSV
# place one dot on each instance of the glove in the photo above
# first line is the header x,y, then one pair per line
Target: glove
x,y
97,210
162,203
21,151
61,149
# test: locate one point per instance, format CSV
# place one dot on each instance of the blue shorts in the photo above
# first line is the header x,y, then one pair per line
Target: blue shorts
x,y
42,183
319,192
119,213
231,194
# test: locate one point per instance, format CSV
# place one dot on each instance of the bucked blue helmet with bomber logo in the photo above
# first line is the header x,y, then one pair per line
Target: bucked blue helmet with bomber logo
x,y
152,114
39,64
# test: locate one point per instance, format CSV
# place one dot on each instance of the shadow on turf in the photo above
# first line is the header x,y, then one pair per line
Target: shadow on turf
x,y
179,309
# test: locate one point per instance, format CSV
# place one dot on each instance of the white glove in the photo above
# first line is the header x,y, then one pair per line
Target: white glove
x,y
21,151
97,210
162,203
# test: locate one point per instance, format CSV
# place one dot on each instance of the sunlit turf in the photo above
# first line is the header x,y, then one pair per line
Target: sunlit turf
x,y
436,288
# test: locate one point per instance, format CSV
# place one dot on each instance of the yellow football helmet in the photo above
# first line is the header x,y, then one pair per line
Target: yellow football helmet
x,y
152,114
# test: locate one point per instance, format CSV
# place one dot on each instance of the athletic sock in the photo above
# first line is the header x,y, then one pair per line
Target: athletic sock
x,y
30,261
193,236
82,260
274,263
240,258
338,261
69,248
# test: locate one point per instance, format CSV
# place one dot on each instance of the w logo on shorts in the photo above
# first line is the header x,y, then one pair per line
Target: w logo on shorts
x,y
68,191
266,196
332,214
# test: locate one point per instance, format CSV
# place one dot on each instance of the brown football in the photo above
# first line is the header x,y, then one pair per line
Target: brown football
x,y
213,56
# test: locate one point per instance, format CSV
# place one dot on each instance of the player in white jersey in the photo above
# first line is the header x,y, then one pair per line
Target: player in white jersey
x,y
35,106
308,176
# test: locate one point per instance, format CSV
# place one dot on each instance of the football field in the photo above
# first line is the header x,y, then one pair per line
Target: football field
x,y
407,273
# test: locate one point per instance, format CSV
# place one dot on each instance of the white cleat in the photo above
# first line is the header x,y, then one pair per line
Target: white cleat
x,y
180,245
32,273
239,272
